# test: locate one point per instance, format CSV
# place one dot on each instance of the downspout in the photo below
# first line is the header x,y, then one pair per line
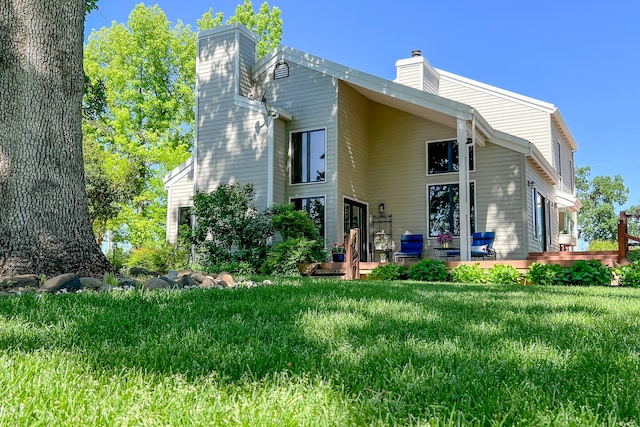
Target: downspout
x,y
271,116
463,188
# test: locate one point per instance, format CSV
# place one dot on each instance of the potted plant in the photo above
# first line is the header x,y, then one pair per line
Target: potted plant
x,y
337,252
444,238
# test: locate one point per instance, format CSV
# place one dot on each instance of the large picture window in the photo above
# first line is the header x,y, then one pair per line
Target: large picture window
x,y
308,156
443,157
314,206
444,208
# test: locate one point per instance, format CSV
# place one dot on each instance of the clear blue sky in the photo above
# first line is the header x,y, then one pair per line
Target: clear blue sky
x,y
581,56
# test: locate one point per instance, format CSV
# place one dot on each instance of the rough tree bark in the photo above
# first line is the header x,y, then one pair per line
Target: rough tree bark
x,y
44,218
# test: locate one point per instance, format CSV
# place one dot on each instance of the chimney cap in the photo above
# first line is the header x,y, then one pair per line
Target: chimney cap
x,y
416,52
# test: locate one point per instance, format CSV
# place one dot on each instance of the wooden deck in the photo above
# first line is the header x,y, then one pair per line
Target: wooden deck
x,y
565,259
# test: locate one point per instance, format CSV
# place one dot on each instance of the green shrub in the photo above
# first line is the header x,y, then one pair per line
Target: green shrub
x,y
629,275
118,258
546,274
160,257
633,255
241,268
501,274
387,272
283,259
229,228
587,273
468,274
603,245
429,270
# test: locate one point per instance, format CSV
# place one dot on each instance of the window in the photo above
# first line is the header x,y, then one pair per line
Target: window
x,y
541,219
442,157
308,156
314,206
444,208
184,219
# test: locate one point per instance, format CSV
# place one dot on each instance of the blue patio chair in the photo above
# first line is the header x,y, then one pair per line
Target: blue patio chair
x,y
410,247
481,245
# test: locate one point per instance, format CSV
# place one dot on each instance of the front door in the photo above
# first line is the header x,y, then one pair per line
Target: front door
x,y
355,216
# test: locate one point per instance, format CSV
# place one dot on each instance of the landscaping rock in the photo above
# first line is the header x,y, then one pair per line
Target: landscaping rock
x,y
68,281
207,282
199,277
91,283
226,279
186,282
155,283
186,272
128,284
21,280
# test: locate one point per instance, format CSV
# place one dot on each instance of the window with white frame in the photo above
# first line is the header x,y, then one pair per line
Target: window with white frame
x,y
314,206
308,156
443,157
444,208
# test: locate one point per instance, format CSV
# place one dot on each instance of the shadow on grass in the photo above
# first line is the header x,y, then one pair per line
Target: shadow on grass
x,y
411,349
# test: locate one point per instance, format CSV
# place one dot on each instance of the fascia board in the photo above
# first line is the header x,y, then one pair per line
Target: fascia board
x,y
538,159
511,142
178,172
557,117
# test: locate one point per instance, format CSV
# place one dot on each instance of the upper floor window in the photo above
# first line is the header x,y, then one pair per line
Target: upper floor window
x,y
308,156
442,157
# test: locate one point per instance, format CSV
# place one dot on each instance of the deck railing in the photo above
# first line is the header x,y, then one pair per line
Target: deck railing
x,y
624,237
352,257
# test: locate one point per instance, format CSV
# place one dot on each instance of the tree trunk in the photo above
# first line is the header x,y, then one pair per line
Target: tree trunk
x,y
44,218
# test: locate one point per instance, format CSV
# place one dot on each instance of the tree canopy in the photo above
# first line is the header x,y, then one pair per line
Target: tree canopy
x,y
600,197
139,112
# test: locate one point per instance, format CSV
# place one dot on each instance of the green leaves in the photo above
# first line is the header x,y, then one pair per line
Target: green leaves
x,y
600,198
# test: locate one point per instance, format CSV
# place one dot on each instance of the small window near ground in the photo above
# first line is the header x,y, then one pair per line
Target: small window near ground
x,y
184,219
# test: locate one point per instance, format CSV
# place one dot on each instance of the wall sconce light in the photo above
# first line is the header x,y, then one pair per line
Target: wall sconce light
x,y
381,208
469,140
531,184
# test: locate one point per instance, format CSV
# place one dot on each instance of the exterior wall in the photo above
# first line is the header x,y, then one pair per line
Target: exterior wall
x,y
353,150
563,164
311,98
180,194
504,114
280,177
398,168
500,189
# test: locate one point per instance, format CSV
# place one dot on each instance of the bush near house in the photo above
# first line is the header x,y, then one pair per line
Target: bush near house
x,y
388,272
429,270
466,273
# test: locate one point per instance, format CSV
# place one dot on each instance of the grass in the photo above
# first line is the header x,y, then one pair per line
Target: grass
x,y
323,353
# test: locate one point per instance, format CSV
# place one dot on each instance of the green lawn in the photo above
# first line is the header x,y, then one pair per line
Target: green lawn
x,y
323,353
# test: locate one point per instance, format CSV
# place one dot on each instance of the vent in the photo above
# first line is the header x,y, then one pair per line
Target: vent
x,y
281,71
416,52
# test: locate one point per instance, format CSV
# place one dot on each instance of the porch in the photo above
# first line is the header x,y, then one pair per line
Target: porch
x,y
565,259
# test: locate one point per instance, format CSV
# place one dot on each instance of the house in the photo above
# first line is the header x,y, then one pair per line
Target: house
x,y
362,151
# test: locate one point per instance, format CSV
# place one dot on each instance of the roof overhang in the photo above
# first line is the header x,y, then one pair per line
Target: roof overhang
x,y
178,172
568,201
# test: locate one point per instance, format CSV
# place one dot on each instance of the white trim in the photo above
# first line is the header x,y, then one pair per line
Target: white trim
x,y
178,172
290,155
